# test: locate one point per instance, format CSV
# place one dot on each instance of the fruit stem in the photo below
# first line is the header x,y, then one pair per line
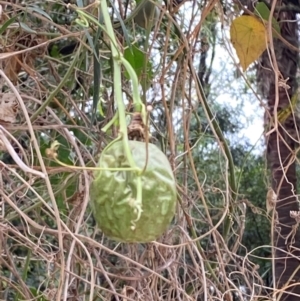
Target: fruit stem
x,y
117,60
139,105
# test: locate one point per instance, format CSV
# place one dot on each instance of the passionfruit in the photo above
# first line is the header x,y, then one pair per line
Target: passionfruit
x,y
113,193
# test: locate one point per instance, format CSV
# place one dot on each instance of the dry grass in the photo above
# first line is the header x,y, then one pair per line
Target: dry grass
x,y
48,238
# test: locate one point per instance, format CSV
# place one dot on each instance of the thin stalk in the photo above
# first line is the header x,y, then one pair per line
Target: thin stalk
x,y
58,88
139,106
117,79
110,123
117,82
232,180
25,272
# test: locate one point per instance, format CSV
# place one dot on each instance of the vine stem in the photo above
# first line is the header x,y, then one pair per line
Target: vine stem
x,y
117,82
58,88
56,212
15,156
116,54
118,61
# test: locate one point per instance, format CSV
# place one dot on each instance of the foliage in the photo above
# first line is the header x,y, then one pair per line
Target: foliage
x,y
249,38
249,34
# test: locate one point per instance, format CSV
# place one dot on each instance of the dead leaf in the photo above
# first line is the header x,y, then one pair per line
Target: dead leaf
x,y
8,107
12,67
249,38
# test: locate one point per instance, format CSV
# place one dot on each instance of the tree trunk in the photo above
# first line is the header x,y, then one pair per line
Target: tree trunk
x,y
281,157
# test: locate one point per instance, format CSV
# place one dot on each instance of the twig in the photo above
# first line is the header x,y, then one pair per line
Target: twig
x,y
15,156
48,183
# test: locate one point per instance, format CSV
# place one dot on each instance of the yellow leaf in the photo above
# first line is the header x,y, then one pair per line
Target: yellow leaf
x,y
249,38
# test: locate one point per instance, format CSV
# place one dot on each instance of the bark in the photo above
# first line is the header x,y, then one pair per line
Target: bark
x,y
281,146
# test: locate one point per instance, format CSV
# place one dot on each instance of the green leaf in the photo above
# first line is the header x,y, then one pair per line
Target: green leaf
x,y
27,28
54,51
39,296
81,136
124,29
64,150
6,24
64,189
137,58
263,11
38,10
97,73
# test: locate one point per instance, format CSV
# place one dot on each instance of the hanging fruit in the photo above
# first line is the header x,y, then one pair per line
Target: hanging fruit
x,y
125,211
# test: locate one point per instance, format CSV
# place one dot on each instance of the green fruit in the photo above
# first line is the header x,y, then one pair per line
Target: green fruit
x,y
113,193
